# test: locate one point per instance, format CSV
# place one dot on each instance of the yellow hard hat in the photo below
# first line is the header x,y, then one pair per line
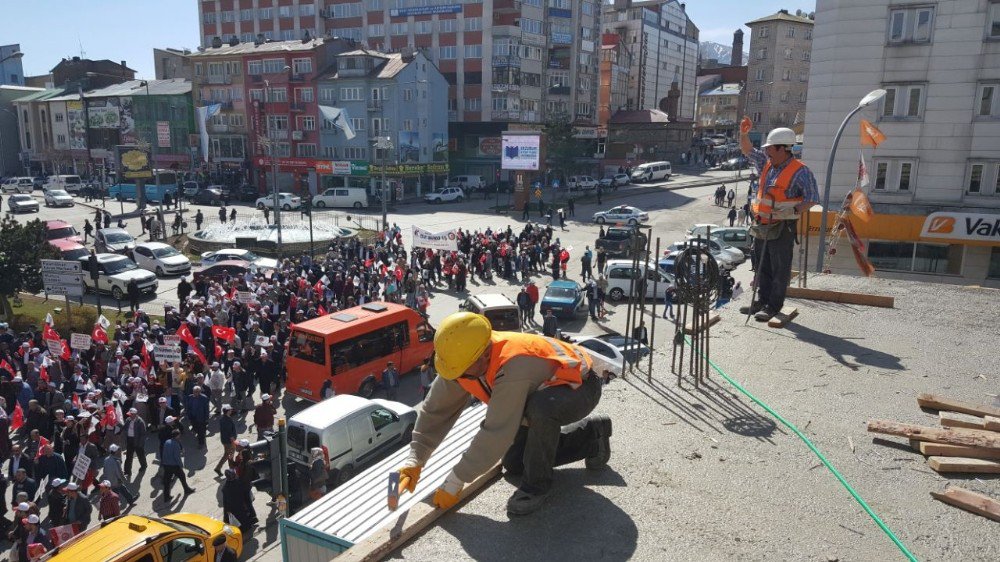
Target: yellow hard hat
x,y
459,341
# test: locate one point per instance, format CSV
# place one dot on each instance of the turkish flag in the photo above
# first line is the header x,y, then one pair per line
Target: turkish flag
x,y
17,418
184,332
224,333
98,334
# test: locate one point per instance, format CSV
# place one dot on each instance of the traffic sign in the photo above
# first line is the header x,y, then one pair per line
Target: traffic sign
x,y
61,266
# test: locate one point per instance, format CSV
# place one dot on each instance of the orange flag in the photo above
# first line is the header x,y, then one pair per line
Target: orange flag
x,y
860,206
870,135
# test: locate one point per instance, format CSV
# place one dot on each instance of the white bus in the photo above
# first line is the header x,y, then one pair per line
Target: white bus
x,y
652,171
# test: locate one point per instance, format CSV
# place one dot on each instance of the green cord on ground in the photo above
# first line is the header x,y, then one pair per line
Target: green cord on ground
x,y
864,505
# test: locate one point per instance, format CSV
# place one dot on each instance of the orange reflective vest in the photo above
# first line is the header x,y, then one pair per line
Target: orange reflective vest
x,y
571,361
775,204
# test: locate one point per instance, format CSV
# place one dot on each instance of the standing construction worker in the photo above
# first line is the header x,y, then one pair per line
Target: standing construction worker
x,y
786,189
546,382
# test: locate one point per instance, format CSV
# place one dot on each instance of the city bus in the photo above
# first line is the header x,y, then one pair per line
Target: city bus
x,y
350,348
125,191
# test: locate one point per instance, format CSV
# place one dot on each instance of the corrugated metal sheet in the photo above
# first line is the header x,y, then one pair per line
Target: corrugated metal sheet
x,y
357,509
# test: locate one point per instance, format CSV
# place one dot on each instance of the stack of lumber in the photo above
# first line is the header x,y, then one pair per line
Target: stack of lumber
x,y
968,441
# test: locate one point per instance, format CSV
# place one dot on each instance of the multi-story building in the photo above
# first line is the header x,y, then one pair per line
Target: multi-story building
x,y
388,97
778,71
11,69
664,45
509,64
171,63
935,180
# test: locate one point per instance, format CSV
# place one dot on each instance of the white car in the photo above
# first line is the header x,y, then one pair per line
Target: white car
x,y
621,214
114,273
286,201
163,259
208,258
58,198
581,183
446,194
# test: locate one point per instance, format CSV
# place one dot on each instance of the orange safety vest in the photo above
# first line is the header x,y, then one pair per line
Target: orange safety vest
x,y
764,208
572,362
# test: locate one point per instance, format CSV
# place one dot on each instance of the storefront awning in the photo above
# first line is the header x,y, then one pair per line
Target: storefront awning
x,y
945,227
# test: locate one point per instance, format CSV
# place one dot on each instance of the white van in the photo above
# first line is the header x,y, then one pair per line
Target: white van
x,y
652,171
353,429
68,183
356,197
19,185
619,274
467,183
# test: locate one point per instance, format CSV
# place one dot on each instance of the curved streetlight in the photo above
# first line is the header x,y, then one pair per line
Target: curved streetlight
x,y
872,97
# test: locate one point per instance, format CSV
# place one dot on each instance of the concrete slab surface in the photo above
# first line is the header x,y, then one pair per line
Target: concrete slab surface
x,y
708,475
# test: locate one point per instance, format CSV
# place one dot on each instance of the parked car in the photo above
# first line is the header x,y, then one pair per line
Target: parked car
x,y
286,201
62,230
58,198
19,185
614,347
498,309
564,298
20,203
114,273
219,270
162,259
69,249
619,241
446,194
354,430
621,273
207,196
581,183
622,214
116,240
238,254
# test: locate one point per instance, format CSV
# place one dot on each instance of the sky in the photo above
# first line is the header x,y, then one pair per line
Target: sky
x,y
50,30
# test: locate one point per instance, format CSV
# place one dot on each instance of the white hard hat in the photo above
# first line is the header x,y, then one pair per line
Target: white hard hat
x,y
781,135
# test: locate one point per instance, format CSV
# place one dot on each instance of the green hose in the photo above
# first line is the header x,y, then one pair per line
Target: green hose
x,y
864,505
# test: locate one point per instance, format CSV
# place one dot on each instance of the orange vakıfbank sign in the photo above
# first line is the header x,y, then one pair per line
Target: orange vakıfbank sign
x,y
973,227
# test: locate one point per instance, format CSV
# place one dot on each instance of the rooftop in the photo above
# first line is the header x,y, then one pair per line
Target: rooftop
x,y
708,475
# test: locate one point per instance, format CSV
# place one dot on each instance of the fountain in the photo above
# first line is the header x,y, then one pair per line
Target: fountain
x,y
261,237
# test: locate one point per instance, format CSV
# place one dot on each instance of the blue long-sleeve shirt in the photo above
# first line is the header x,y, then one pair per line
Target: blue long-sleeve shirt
x,y
803,182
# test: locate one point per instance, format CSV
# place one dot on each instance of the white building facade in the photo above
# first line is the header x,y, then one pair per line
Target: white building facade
x,y
935,181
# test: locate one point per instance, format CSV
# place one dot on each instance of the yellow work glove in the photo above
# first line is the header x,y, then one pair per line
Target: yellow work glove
x,y
448,494
409,474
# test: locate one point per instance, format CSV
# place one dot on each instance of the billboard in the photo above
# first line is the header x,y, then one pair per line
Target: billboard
x,y
520,152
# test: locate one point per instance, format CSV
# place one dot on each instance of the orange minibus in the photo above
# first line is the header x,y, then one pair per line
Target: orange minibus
x,y
350,348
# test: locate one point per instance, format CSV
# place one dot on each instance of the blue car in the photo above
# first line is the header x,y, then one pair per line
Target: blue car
x,y
564,298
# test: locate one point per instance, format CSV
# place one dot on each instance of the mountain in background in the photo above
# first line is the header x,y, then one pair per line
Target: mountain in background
x,y
723,53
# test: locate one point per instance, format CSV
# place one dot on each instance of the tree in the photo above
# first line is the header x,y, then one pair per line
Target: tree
x,y
561,148
22,247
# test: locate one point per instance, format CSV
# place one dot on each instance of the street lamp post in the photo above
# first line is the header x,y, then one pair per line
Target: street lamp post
x,y
872,97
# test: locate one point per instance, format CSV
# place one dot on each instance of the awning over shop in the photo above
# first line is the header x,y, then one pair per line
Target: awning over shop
x,y
971,229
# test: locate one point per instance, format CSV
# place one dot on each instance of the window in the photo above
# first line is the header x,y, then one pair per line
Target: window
x,y
895,175
903,102
473,51
942,259
182,549
302,66
911,25
273,66
307,123
987,104
306,150
473,24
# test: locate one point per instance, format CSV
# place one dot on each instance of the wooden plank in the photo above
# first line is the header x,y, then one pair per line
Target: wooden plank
x,y
781,319
954,419
713,319
962,464
970,501
945,450
380,544
992,423
952,436
936,402
841,297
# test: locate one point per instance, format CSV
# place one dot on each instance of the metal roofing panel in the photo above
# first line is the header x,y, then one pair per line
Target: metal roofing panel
x,y
357,509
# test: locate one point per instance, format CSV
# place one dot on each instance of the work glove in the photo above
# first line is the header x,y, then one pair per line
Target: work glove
x,y
413,474
448,494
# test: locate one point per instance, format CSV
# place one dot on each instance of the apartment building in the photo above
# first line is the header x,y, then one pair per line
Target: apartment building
x,y
664,51
935,181
778,71
509,64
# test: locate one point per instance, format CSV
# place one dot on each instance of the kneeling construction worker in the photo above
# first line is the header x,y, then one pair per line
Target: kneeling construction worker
x,y
539,392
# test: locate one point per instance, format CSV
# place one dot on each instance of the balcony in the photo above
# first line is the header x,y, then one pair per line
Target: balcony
x,y
374,105
503,88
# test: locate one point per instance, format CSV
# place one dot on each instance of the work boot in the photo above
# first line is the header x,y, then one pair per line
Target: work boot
x,y
523,503
753,308
764,314
601,426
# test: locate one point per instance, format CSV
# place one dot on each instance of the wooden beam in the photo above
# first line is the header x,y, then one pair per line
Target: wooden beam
x,y
944,450
952,436
407,524
970,501
961,464
713,319
936,402
954,419
841,297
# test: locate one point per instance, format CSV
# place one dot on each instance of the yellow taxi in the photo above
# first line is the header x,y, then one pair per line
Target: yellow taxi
x,y
179,537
